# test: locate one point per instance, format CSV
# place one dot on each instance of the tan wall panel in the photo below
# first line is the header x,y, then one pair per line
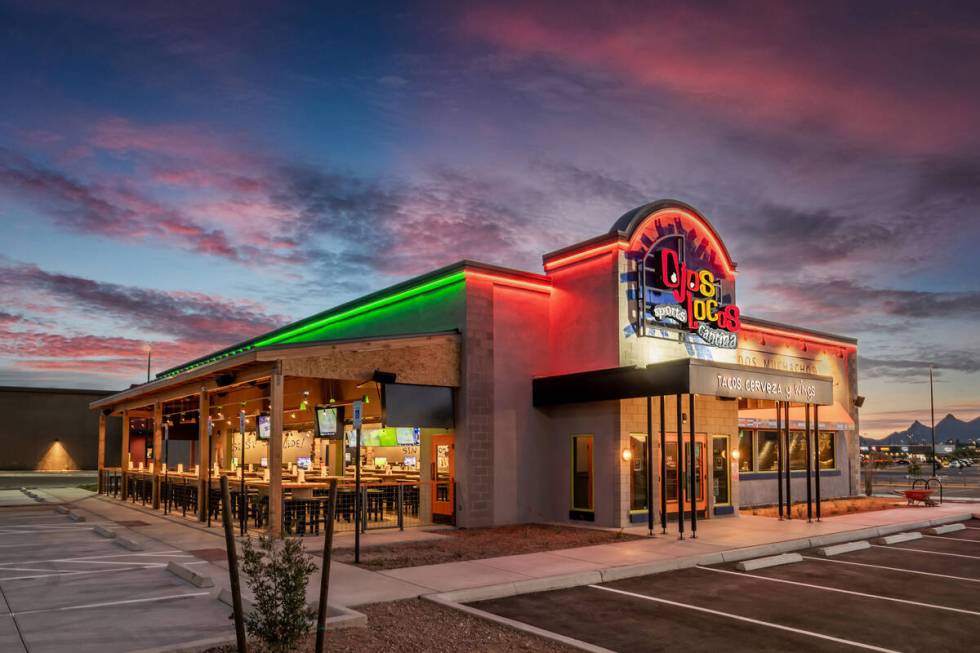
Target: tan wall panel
x,y
427,364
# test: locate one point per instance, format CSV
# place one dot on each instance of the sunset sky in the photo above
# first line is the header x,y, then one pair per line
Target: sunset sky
x,y
187,175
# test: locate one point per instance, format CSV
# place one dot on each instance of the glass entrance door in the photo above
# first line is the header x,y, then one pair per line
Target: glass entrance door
x,y
700,444
443,475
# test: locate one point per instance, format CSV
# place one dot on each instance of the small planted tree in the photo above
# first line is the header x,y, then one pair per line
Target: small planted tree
x,y
277,571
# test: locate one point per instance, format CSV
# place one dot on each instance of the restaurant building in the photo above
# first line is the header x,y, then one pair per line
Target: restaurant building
x,y
502,396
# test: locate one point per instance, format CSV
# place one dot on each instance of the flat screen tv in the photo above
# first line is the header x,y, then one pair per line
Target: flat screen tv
x,y
407,436
327,421
303,462
263,427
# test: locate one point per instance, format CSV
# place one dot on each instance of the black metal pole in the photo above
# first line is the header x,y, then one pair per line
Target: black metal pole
x,y
207,502
693,464
789,464
816,433
321,617
932,412
779,454
166,468
357,497
663,464
241,470
809,465
649,465
236,588
680,467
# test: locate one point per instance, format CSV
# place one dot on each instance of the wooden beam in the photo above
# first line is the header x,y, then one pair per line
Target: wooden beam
x,y
275,453
124,456
101,465
157,445
320,349
203,448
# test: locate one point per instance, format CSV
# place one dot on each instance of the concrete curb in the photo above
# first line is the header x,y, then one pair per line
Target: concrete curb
x,y
62,509
947,528
197,646
128,543
897,538
186,573
104,532
769,561
847,547
74,516
518,625
514,588
338,616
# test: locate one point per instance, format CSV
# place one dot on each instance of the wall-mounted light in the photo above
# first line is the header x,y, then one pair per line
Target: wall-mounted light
x,y
627,455
736,454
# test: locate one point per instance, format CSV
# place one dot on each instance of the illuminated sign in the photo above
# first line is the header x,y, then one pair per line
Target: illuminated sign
x,y
681,280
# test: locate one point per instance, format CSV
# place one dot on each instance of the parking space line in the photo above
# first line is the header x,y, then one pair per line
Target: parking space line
x,y
938,553
955,539
827,588
76,573
111,603
907,571
758,622
174,553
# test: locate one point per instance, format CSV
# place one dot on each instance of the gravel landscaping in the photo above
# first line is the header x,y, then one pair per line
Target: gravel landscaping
x,y
416,625
831,507
479,543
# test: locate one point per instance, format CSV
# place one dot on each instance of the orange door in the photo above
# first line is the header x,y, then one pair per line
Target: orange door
x,y
700,442
443,475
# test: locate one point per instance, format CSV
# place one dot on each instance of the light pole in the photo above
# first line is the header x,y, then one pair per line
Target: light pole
x,y
149,356
932,411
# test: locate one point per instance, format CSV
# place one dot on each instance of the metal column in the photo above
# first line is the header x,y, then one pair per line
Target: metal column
x,y
649,465
693,464
816,433
779,454
809,464
789,465
679,466
663,463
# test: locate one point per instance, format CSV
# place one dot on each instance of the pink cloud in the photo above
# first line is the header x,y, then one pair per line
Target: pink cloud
x,y
764,66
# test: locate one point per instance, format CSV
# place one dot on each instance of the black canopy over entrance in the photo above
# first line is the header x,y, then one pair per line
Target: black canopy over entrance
x,y
698,377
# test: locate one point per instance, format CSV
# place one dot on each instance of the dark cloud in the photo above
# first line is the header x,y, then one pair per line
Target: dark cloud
x,y
192,317
915,366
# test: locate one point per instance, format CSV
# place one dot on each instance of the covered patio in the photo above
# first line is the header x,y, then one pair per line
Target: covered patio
x,y
250,417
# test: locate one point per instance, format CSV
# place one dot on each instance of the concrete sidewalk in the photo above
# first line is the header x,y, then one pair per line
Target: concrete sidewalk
x,y
717,540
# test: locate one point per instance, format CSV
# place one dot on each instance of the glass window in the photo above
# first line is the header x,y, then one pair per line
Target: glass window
x,y
746,453
826,451
638,471
670,473
797,450
719,457
767,443
582,498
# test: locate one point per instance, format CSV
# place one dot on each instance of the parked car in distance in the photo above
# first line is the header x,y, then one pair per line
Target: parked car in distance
x,y
901,461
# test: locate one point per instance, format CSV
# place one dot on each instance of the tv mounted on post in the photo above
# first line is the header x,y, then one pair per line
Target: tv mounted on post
x,y
328,422
263,427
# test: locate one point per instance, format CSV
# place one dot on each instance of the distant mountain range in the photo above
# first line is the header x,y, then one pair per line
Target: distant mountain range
x,y
948,428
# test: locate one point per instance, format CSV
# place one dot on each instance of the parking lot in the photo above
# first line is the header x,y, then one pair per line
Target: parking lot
x,y
913,596
65,588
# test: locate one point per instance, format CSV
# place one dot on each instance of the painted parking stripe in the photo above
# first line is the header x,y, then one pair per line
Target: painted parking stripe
x,y
758,622
907,571
174,553
75,573
937,553
111,603
826,588
955,539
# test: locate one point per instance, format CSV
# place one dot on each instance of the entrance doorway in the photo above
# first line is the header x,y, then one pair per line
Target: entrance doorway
x,y
443,477
670,478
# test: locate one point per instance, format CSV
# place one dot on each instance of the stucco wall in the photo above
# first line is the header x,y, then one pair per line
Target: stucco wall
x,y
53,429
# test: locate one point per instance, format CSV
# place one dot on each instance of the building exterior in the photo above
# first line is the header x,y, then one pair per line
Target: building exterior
x,y
50,429
567,387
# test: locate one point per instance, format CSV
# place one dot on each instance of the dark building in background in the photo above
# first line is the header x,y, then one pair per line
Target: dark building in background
x,y
52,429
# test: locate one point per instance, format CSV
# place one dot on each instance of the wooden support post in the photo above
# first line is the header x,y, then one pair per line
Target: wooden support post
x,y
275,452
124,457
203,447
157,451
101,465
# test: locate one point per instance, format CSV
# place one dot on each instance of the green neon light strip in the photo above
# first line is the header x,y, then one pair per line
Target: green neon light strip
x,y
381,302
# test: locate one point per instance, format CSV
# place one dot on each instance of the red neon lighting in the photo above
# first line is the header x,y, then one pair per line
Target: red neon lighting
x,y
701,226
584,254
799,336
537,286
